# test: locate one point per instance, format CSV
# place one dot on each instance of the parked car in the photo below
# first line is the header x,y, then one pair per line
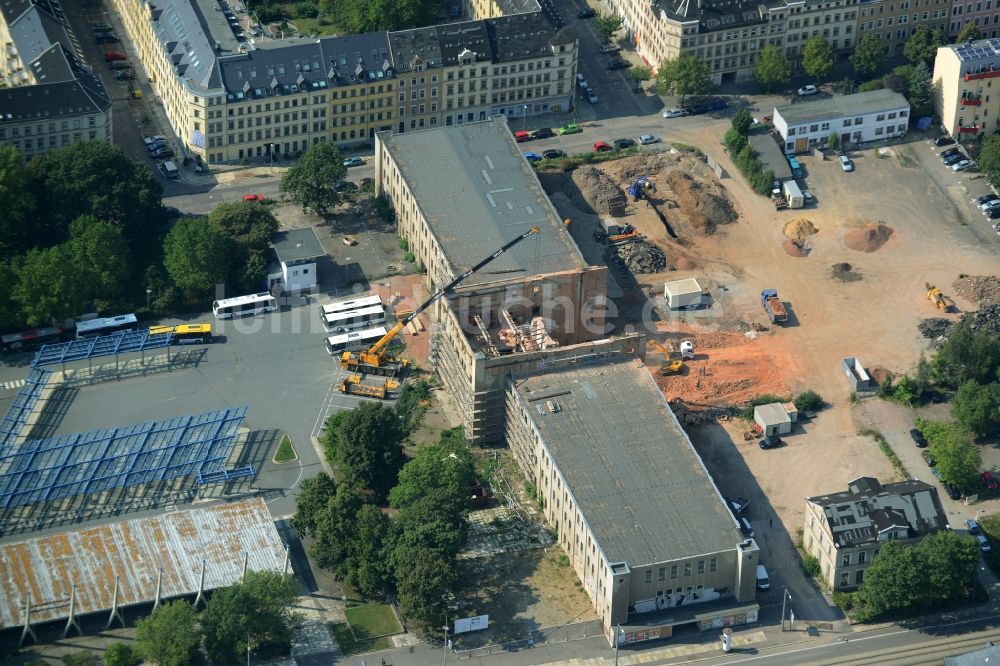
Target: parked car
x,y
153,139
952,491
610,48
674,113
972,526
162,152
962,165
622,144
771,442
987,198
592,96
984,543
918,438
943,141
124,75
989,481
807,90
929,458
990,205
581,82
572,128
553,154
647,139
543,133
111,56
618,63
521,136
953,159
992,213
846,164
253,197
353,162
155,145
533,157
948,153
106,38
601,147
586,13
345,186
365,183
808,198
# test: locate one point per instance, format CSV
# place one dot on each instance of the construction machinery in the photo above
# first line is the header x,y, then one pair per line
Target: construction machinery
x,y
640,187
935,296
685,350
376,360
773,306
354,385
674,367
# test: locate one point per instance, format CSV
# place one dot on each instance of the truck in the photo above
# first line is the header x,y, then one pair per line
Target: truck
x,y
793,195
773,306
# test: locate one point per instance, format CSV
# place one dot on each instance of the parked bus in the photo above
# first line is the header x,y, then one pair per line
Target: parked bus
x,y
242,306
354,341
353,304
341,322
795,166
106,325
186,334
31,340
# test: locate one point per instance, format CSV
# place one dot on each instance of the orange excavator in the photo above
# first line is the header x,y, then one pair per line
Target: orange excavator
x,y
376,360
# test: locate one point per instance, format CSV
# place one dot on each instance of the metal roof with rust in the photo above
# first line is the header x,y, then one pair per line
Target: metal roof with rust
x,y
135,551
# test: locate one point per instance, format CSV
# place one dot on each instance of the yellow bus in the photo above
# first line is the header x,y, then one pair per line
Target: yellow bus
x,y
186,334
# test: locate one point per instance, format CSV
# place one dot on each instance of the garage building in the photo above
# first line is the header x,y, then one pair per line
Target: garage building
x,y
682,293
775,418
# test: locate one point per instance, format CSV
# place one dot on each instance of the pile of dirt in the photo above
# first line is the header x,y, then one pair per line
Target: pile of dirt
x,y
685,264
880,375
934,327
982,289
596,188
795,248
844,272
704,205
639,257
799,229
868,238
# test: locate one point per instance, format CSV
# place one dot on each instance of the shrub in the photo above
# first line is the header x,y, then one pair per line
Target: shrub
x,y
811,566
844,600
121,654
410,257
305,10
808,401
404,244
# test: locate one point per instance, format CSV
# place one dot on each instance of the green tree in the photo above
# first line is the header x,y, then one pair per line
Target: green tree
x,y
334,529
607,25
684,76
949,564
833,141
102,259
817,57
196,255
18,204
772,68
314,495
250,227
424,525
989,158
735,142
81,658
742,122
424,583
958,460
977,406
311,182
258,608
360,16
969,33
366,447
923,44
639,74
921,91
893,581
808,401
122,654
48,288
868,55
444,471
968,354
10,310
367,566
168,636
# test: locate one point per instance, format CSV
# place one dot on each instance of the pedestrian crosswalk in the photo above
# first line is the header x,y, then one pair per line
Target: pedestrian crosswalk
x,y
11,385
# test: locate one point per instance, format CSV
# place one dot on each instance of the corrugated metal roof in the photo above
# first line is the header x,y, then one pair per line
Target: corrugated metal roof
x,y
135,550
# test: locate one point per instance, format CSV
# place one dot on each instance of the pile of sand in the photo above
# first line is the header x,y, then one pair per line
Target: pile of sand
x,y
795,248
800,229
704,204
868,238
844,272
880,375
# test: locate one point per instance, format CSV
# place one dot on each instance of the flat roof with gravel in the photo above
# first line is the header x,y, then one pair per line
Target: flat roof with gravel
x,y
477,192
637,479
842,106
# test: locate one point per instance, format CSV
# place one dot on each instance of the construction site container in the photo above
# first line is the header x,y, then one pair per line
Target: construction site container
x,y
682,293
858,377
772,419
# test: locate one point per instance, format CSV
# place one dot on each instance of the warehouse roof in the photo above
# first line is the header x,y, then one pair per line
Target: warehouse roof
x,y
480,194
135,551
638,481
842,106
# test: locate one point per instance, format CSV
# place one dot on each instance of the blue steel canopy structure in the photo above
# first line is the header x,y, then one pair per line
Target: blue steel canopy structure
x,y
22,405
104,345
50,469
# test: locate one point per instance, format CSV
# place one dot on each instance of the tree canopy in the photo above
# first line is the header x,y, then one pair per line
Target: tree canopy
x,y
977,406
360,16
868,55
607,25
989,158
772,68
958,459
314,495
250,226
969,32
311,182
443,471
168,636
817,57
923,45
197,255
684,76
968,354
365,445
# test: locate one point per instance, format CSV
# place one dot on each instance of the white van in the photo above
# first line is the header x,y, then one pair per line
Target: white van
x,y
170,169
763,582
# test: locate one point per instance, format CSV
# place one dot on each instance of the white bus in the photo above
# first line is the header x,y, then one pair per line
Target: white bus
x,y
242,306
354,341
341,322
353,304
106,325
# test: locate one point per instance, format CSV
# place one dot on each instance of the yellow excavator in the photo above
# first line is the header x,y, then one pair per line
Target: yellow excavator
x,y
376,360
935,296
354,385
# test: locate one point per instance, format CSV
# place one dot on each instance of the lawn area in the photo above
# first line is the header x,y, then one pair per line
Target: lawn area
x,y
311,26
285,452
367,629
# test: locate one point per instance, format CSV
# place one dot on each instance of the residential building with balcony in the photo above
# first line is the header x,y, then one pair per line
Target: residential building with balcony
x,y
845,531
963,86
859,118
895,21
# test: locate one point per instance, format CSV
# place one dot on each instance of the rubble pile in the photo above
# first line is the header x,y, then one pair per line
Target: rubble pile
x,y
595,189
639,257
844,272
981,289
987,318
934,327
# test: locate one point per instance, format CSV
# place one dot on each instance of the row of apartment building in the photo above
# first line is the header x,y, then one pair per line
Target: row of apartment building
x,y
230,100
49,97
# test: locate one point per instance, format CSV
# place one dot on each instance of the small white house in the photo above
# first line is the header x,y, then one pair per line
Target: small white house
x,y
773,419
682,293
859,118
297,251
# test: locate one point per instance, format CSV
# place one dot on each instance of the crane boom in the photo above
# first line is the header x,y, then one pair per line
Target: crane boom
x,y
375,355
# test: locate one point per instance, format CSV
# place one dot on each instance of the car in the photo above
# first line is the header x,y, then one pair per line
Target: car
x,y
601,147
610,48
984,543
366,183
771,442
521,136
106,38
156,145
553,154
952,491
111,56
961,165
989,205
918,438
943,141
618,63
622,144
674,113
948,153
580,78
353,162
989,480
533,157
253,197
972,526
929,458
987,198
582,83
153,139
345,186
647,139
992,213
808,198
124,75
571,128
592,97
586,13
846,164
97,25
807,90
953,159
162,152
543,133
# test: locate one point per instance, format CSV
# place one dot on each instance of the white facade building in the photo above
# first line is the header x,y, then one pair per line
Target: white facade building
x,y
860,118
297,251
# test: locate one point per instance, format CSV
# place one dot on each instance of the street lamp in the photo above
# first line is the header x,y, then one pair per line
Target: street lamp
x,y
444,648
784,597
272,155
524,117
619,636
148,293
